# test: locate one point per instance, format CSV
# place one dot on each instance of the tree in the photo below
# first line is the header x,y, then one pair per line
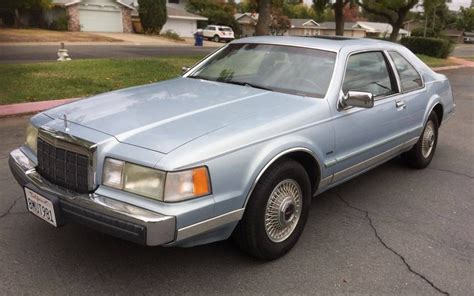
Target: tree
x,y
338,7
280,22
394,11
216,11
465,19
264,17
15,7
153,15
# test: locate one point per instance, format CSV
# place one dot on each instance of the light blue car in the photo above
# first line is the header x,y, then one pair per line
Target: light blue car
x,y
236,146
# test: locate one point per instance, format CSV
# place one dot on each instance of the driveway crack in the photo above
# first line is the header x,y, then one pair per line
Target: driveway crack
x,y
452,172
7,212
384,244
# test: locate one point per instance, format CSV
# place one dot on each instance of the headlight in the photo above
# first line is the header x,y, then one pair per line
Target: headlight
x,y
187,184
133,178
150,182
31,137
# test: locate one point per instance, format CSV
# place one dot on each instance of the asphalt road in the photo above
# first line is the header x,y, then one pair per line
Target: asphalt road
x,y
38,53
393,230
464,50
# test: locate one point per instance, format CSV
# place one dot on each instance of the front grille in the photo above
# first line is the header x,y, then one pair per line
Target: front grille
x,y
63,167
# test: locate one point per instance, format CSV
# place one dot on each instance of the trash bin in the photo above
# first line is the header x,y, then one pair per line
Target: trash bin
x,y
198,38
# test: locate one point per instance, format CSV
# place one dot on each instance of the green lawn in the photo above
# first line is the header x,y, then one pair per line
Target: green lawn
x,y
435,62
468,58
55,80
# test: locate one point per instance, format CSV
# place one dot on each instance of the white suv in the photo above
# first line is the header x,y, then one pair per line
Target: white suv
x,y
218,33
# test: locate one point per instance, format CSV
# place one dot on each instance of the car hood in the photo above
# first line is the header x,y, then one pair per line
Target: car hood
x,y
169,114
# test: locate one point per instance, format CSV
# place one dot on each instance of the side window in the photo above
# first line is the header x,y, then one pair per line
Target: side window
x,y
409,77
368,72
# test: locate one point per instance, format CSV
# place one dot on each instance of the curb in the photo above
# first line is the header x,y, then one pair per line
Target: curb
x,y
454,67
31,108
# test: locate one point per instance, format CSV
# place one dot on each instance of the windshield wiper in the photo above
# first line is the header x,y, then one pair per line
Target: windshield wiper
x,y
243,83
200,77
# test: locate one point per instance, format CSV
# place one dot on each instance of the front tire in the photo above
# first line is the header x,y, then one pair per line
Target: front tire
x,y
216,38
422,153
276,212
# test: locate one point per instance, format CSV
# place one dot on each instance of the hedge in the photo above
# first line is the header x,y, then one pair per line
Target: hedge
x,y
434,47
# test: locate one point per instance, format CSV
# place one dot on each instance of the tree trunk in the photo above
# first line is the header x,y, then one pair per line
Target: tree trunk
x,y
264,18
16,19
339,17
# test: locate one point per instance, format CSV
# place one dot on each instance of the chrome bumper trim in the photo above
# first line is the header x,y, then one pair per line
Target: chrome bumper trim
x,y
160,229
209,224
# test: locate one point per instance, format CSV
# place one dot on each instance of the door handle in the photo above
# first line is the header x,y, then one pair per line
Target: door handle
x,y
400,105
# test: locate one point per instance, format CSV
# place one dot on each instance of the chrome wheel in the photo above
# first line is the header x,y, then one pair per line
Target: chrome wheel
x,y
428,139
283,210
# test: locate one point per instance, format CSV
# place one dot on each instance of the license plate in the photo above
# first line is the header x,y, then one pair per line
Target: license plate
x,y
40,206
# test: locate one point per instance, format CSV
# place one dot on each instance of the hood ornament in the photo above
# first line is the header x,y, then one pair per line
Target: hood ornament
x,y
66,128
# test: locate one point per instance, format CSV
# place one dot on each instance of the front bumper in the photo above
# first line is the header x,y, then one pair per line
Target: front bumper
x,y
99,212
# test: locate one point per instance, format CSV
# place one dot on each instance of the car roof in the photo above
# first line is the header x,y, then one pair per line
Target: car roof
x,y
331,43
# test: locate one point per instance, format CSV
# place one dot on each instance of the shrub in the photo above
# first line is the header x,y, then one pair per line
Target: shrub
x,y
170,34
418,32
60,24
152,15
433,47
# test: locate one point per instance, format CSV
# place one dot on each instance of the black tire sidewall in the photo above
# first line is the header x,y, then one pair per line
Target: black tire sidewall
x,y
424,162
287,170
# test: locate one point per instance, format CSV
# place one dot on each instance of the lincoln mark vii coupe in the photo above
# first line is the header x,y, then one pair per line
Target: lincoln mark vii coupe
x,y
237,146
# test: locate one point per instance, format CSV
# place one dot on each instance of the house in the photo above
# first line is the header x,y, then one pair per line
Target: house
x,y
95,15
179,19
457,36
350,29
380,30
303,27
248,22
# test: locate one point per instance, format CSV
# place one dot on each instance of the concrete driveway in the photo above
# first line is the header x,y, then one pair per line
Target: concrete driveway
x,y
392,231
463,51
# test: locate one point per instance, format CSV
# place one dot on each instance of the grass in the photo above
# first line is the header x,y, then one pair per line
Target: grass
x,y
40,35
468,58
435,62
55,80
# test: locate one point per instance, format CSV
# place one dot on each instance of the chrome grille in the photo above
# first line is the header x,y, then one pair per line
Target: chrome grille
x,y
63,167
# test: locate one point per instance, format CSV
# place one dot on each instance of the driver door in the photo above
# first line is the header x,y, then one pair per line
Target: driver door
x,y
367,136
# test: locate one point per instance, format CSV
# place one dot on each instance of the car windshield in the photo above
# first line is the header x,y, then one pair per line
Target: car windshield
x,y
287,69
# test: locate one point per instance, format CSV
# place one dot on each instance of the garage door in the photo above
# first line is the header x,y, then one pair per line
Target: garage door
x,y
184,28
100,20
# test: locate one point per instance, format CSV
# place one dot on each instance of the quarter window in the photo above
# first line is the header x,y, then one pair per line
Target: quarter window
x,y
409,77
368,72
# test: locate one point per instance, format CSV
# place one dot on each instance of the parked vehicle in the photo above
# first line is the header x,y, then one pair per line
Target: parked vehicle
x,y
218,33
237,146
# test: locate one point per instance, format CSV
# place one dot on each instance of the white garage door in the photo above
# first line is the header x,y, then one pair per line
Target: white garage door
x,y
100,20
184,28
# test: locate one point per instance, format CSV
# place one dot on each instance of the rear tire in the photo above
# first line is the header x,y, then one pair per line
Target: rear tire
x,y
422,153
276,213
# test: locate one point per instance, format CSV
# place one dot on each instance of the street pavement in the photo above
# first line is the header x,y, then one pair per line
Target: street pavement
x,y
393,230
42,53
463,51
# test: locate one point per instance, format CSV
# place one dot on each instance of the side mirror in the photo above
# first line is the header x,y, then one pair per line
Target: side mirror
x,y
359,99
185,69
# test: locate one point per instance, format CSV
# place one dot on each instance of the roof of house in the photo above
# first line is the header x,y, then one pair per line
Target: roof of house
x,y
373,27
469,34
126,3
452,32
175,12
251,16
303,23
347,26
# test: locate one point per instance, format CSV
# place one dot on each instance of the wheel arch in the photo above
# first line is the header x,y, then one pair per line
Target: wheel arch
x,y
302,155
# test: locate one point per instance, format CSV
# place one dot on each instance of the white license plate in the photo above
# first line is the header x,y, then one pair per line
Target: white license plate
x,y
40,207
